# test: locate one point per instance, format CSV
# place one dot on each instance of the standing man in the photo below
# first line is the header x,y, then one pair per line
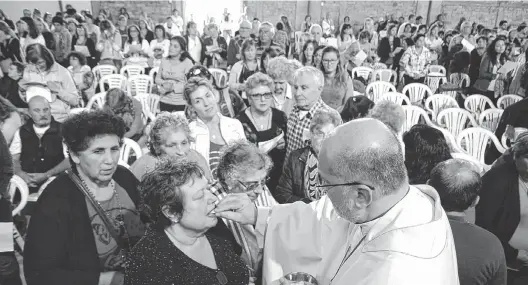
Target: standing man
x,y
480,255
372,227
233,51
63,40
307,89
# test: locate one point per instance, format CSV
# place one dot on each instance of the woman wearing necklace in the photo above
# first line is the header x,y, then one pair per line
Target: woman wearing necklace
x,y
86,221
264,124
246,67
211,130
186,243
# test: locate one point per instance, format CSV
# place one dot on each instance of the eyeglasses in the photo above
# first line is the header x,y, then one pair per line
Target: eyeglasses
x,y
262,95
327,61
253,186
327,186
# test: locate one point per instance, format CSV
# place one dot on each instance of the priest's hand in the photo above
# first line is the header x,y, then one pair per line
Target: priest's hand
x,y
237,207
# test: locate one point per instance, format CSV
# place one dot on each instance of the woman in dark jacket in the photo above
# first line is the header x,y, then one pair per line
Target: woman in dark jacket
x,y
492,61
68,241
300,179
388,46
499,209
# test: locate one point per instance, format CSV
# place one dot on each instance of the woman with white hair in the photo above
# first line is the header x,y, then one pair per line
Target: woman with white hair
x,y
281,70
169,139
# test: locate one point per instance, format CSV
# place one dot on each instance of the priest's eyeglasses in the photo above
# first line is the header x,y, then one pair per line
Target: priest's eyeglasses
x,y
328,186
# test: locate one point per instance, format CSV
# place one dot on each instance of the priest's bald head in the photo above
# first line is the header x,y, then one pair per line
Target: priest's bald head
x,y
363,159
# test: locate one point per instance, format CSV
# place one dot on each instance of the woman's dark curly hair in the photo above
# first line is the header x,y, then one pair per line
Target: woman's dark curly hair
x,y
492,54
80,129
160,189
425,147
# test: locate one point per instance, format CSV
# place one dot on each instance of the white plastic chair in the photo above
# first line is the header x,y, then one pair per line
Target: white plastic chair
x,y
140,84
379,65
17,183
150,105
113,81
220,76
436,69
438,102
417,92
102,70
506,100
505,141
413,114
98,100
387,75
362,71
450,139
434,80
153,72
489,119
459,79
132,70
474,141
395,97
33,197
455,120
376,89
129,146
477,103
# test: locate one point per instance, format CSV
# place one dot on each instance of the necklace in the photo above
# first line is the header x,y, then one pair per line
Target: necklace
x,y
263,123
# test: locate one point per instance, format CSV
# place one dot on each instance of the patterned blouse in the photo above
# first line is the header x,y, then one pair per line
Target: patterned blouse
x,y
416,62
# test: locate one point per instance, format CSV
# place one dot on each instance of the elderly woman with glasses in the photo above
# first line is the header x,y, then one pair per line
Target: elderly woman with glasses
x,y
86,221
186,243
264,125
300,179
169,138
244,168
211,130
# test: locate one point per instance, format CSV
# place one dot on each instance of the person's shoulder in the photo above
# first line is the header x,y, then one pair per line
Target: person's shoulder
x,y
482,241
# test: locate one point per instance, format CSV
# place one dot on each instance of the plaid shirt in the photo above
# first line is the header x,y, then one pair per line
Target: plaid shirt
x,y
245,234
299,127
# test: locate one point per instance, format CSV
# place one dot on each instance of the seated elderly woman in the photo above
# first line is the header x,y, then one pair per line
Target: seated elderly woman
x,y
210,129
281,70
300,178
85,222
264,125
244,168
169,138
130,110
186,243
425,147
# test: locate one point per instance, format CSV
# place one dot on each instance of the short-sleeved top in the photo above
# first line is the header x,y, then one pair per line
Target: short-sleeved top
x,y
120,208
172,69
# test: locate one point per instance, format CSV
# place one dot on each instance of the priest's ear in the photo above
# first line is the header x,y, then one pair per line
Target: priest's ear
x,y
364,196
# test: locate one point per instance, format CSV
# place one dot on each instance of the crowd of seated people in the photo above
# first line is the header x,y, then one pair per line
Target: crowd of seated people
x,y
245,127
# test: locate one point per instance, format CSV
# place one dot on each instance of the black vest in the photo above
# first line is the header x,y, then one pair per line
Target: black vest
x,y
41,155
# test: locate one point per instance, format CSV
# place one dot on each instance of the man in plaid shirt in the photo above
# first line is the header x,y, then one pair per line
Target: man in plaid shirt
x,y
307,89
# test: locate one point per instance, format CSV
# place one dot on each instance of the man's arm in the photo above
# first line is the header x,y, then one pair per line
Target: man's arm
x,y
59,168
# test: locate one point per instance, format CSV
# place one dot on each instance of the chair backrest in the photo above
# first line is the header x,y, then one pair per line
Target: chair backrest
x,y
413,114
362,71
477,103
433,80
455,120
438,102
132,70
153,72
220,76
379,65
102,70
489,119
113,81
149,104
128,146
140,84
387,75
450,139
505,141
417,92
506,100
436,69
98,100
376,89
460,79
395,97
17,183
475,140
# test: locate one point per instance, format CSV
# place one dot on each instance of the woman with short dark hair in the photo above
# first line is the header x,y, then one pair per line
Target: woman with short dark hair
x,y
186,243
44,70
86,221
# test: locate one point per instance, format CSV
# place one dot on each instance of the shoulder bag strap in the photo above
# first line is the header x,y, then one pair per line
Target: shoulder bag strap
x,y
111,228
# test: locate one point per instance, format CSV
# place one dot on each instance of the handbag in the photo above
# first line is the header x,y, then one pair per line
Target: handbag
x,y
114,233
